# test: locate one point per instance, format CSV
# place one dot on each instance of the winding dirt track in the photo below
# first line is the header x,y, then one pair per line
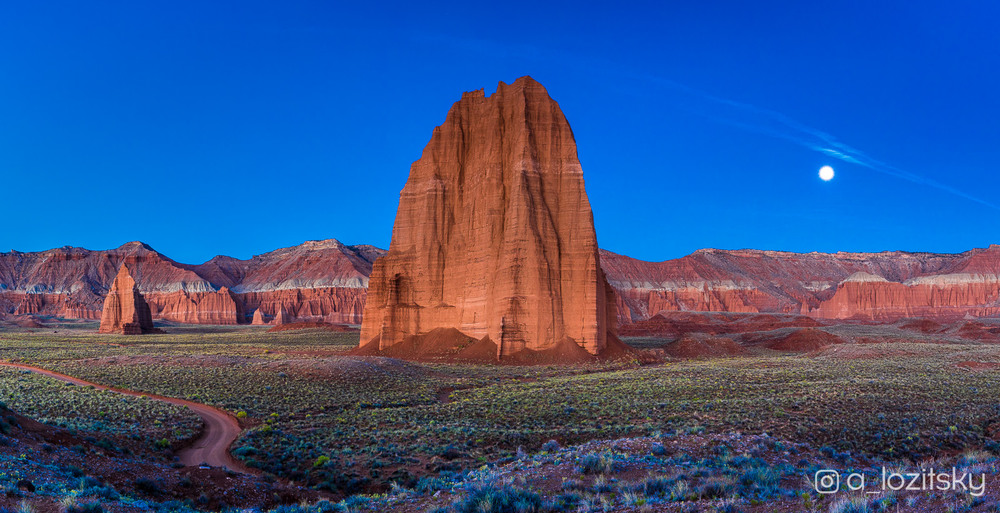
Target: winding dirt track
x,y
212,447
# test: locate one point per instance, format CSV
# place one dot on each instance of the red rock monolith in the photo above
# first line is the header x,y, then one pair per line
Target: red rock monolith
x,y
494,235
258,317
125,310
281,317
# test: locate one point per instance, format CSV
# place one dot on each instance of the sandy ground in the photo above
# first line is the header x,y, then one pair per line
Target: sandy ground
x,y
220,427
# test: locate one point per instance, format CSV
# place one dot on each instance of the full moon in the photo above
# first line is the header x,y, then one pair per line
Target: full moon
x,y
826,173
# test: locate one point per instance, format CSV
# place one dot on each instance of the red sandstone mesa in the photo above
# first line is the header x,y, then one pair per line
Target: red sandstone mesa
x,y
317,281
494,235
325,282
883,286
125,310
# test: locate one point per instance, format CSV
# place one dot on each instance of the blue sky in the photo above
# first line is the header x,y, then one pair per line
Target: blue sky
x,y
207,128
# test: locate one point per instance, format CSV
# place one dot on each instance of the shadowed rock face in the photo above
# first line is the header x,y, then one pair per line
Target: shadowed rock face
x,y
125,310
494,235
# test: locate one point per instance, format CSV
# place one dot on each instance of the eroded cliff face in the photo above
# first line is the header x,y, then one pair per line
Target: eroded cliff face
x,y
73,282
866,286
494,234
125,310
325,281
70,306
943,297
321,281
332,305
218,307
967,286
316,281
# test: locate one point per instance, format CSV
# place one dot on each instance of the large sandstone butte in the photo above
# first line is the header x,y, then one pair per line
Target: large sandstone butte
x,y
125,310
494,236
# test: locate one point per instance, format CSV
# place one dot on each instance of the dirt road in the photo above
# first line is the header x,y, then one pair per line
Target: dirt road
x,y
212,447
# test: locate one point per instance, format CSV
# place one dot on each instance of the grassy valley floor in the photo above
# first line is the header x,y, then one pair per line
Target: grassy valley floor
x,y
343,425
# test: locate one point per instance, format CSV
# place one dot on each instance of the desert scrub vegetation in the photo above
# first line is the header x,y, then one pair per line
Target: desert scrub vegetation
x,y
893,406
48,483
717,473
358,424
95,413
76,344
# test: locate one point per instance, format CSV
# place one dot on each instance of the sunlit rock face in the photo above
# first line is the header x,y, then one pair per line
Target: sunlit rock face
x,y
258,317
494,234
943,297
218,307
882,286
125,310
316,281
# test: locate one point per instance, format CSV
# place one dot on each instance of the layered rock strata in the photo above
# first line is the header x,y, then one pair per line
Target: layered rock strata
x,y
317,281
864,286
494,235
125,311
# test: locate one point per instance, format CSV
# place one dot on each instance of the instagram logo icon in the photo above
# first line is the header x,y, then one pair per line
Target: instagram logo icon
x,y
827,481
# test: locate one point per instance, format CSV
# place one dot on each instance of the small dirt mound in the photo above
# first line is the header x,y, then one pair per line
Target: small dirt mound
x,y
22,321
803,341
978,366
670,324
478,351
973,330
310,325
921,325
369,348
618,350
453,346
695,346
441,344
566,351
676,324
767,322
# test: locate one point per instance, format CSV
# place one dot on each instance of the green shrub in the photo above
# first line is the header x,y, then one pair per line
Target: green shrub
x,y
492,497
598,463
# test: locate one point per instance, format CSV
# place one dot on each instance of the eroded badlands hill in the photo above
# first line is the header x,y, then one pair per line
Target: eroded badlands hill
x,y
866,286
318,281
325,281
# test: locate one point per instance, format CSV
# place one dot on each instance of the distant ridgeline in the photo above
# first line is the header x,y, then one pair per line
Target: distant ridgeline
x,y
318,281
326,281
866,286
